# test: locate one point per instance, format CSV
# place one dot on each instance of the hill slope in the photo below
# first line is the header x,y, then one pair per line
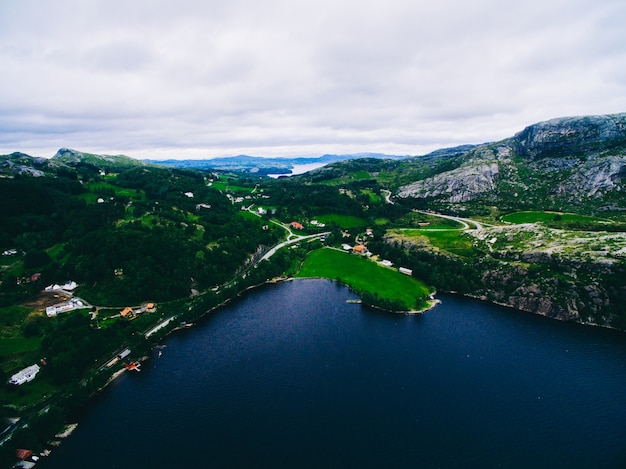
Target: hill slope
x,y
566,163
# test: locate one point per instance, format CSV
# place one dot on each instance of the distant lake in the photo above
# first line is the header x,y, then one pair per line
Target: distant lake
x,y
293,376
300,169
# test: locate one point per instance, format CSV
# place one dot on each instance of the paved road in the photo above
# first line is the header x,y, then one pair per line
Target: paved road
x,y
293,240
466,222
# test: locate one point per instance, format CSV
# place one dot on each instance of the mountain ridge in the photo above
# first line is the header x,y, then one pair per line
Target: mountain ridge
x,y
561,163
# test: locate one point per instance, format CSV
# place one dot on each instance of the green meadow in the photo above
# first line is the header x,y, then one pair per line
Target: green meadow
x,y
365,276
450,240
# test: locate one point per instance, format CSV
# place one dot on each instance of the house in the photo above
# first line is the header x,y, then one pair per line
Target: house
x,y
128,311
150,308
359,249
296,226
25,375
405,271
70,285
369,232
346,247
189,194
386,263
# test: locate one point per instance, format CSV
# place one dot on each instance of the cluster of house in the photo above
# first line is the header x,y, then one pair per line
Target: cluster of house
x,y
32,278
299,226
131,313
25,375
9,252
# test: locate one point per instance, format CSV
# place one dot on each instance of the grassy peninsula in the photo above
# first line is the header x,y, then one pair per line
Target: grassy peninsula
x,y
377,285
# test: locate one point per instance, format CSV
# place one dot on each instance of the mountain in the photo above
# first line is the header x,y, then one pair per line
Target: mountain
x,y
73,157
564,163
262,165
22,164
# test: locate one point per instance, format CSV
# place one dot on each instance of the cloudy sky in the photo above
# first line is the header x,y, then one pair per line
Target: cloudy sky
x,y
205,78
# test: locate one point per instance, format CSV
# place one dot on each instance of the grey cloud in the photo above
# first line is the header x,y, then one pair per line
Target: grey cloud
x,y
203,77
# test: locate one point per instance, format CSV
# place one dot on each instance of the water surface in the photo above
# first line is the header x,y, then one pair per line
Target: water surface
x,y
293,376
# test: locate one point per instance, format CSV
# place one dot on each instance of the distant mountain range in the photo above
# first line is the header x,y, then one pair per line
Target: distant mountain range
x,y
263,165
564,163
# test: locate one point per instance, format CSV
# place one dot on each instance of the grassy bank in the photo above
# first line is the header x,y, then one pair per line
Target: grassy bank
x,y
367,278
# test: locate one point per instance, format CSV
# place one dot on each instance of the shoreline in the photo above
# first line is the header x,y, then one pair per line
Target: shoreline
x,y
432,304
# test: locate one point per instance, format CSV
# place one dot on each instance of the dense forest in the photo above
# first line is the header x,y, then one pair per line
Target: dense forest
x,y
145,239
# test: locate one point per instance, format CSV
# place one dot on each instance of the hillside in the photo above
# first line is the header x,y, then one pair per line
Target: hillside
x,y
566,259
576,163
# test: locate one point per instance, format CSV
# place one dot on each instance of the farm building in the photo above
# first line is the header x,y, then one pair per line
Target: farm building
x,y
25,375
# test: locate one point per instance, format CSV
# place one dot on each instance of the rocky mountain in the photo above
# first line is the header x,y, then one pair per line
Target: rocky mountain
x,y
558,164
22,164
73,157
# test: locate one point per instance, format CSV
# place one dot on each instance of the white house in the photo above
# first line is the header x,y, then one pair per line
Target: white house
x,y
25,375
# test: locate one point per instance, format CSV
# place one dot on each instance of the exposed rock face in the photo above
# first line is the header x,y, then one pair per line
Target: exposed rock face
x,y
476,177
564,300
22,164
459,185
571,136
573,158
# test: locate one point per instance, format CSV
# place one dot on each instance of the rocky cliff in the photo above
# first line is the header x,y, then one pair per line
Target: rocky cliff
x,y
557,163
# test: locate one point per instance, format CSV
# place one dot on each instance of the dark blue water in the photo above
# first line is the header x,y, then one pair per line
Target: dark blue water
x,y
293,376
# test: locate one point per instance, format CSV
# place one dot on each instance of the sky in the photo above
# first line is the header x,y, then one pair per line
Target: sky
x,y
206,78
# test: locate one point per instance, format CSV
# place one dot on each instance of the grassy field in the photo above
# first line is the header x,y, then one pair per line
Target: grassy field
x,y
226,186
374,197
441,237
9,346
344,221
543,217
363,275
95,190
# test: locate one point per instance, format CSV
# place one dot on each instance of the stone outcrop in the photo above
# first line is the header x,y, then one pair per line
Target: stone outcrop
x,y
575,158
571,136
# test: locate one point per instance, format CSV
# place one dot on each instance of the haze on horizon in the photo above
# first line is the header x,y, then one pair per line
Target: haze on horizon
x,y
200,79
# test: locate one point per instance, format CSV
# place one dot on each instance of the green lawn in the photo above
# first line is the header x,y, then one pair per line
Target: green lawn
x,y
344,221
363,275
226,186
97,188
9,346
